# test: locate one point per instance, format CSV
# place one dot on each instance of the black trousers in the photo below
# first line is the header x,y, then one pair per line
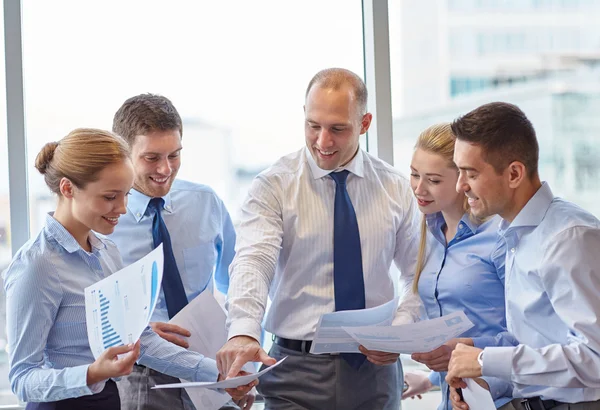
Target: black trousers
x,y
107,399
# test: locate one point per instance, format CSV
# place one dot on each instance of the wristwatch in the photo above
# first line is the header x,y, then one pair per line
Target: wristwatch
x,y
480,359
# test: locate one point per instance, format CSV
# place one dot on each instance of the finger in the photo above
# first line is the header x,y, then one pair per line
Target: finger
x,y
265,358
220,363
137,348
234,394
250,400
381,362
175,339
382,355
169,327
237,364
114,351
377,353
422,357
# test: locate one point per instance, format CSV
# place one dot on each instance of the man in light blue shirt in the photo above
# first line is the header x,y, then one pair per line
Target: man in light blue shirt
x,y
551,353
198,226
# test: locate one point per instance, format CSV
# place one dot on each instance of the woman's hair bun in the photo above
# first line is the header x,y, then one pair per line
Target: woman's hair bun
x,y
44,157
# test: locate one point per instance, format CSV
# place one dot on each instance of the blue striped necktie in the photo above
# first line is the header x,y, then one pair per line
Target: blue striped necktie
x,y
172,285
348,280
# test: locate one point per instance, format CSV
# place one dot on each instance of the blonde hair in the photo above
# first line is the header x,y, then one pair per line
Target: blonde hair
x,y
80,156
437,139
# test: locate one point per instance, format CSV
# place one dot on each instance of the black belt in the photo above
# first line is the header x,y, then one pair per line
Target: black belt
x,y
302,346
536,403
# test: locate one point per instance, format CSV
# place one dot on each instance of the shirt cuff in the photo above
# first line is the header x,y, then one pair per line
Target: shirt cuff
x,y
207,371
245,327
498,387
435,378
497,362
78,375
97,387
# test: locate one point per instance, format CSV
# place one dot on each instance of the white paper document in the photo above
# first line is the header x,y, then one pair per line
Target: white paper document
x,y
118,308
417,337
331,337
224,384
477,397
205,319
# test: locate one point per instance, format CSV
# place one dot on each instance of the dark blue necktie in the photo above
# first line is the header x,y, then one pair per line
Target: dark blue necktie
x,y
348,281
171,282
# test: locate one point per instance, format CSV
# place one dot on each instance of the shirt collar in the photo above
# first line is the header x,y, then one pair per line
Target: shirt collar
x,y
138,204
355,166
66,240
436,220
534,210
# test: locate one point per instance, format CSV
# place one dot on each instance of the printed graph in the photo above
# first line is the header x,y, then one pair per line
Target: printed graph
x,y
110,337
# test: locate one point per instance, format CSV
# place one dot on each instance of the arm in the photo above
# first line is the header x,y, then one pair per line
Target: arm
x,y
498,388
570,277
405,257
33,296
168,358
260,237
225,251
498,259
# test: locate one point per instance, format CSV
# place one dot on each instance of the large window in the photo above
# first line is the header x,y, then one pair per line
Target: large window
x,y
555,83
236,71
541,55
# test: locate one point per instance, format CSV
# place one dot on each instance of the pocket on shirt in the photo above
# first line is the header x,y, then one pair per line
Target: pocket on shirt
x,y
199,266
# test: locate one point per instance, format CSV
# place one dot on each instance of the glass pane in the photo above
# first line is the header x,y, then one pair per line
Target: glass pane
x,y
450,56
481,51
6,396
236,71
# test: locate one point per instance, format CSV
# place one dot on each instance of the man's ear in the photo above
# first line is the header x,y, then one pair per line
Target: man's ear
x,y
66,188
365,122
517,173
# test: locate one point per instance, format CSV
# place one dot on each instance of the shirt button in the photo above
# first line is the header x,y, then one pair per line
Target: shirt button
x,y
460,226
512,250
138,214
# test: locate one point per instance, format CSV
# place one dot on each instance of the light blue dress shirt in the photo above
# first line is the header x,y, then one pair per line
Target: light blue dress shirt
x,y
49,352
467,275
552,302
201,231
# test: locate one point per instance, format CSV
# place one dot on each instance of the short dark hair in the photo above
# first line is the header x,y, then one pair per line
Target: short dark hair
x,y
504,133
146,113
337,77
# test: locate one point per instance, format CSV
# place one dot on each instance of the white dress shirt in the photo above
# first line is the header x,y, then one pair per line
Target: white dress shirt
x,y
552,281
285,245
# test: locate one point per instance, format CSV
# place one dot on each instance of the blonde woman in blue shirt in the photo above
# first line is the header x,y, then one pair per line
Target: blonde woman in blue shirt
x,y
51,364
464,267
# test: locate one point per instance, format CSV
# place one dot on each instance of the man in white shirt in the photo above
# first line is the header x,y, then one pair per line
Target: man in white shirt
x,y
319,231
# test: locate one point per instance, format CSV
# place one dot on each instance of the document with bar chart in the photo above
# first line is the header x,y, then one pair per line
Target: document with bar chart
x,y
118,308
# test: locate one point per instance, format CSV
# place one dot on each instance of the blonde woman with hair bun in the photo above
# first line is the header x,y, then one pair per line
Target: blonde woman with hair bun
x,y
51,364
460,263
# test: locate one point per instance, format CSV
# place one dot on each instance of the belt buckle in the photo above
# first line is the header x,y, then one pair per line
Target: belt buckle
x,y
533,404
525,404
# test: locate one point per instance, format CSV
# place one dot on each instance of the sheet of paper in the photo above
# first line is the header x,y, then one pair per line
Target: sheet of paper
x,y
224,384
477,397
205,319
330,336
118,308
422,336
